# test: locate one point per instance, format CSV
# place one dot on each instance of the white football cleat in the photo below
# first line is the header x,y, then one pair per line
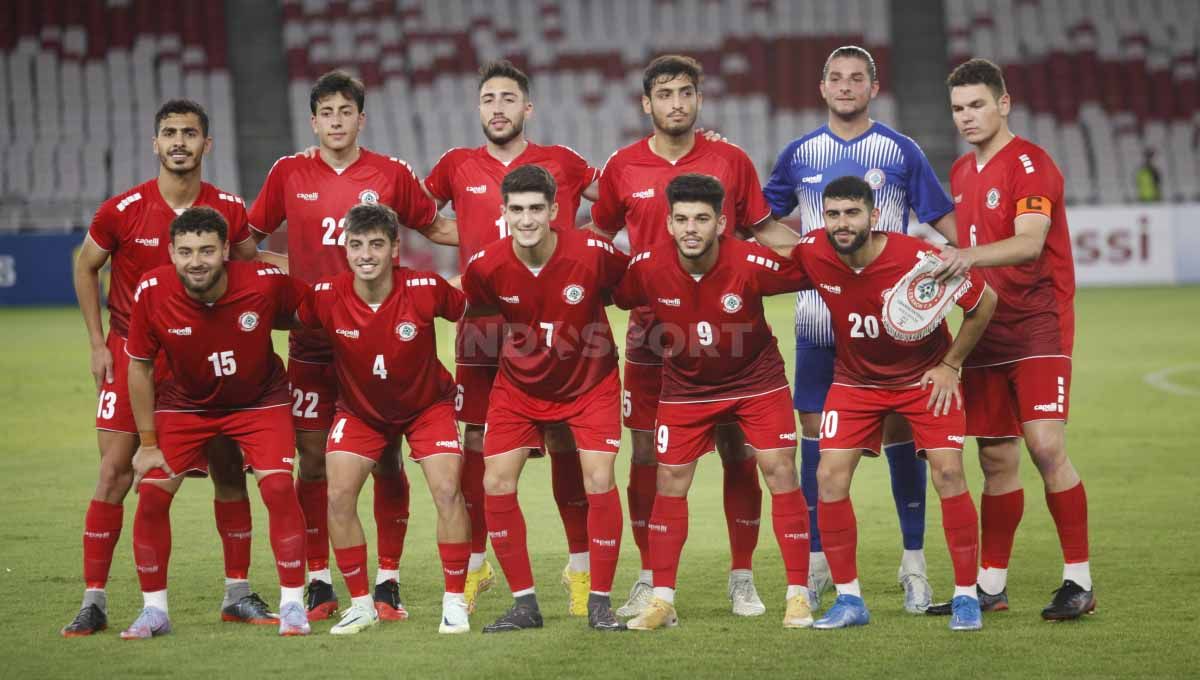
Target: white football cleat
x,y
640,597
744,595
454,614
355,619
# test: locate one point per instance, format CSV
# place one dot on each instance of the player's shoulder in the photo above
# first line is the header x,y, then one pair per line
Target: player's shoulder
x,y
155,281
387,163
630,153
962,162
722,148
286,165
748,255
417,279
559,151
795,149
1030,157
456,156
490,256
222,200
906,246
130,200
907,144
328,287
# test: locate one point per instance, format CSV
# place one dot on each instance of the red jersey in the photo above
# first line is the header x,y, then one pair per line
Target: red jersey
x,y
715,342
1035,315
386,359
866,355
313,198
557,341
220,355
135,228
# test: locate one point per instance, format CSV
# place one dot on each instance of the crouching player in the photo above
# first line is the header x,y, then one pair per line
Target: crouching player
x,y
558,364
874,375
380,320
212,321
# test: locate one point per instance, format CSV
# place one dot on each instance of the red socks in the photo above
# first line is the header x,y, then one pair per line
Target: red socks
x,y
743,511
789,518
314,501
391,518
839,537
506,528
472,491
152,537
604,527
1069,510
454,565
234,526
352,562
999,517
961,525
668,532
101,531
643,480
566,479
287,527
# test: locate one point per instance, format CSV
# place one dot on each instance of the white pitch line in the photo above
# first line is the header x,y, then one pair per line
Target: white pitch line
x,y
1161,380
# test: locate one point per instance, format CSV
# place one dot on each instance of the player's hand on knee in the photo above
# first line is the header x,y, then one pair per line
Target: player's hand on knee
x,y
102,366
944,381
146,459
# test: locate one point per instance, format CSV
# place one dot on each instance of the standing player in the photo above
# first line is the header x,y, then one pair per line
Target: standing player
x,y
1009,201
470,180
632,188
390,386
558,364
131,229
875,376
212,322
313,195
722,365
853,144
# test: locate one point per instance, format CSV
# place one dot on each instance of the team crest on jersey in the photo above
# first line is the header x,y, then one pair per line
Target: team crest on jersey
x,y
368,196
993,198
731,302
573,294
875,178
406,330
248,321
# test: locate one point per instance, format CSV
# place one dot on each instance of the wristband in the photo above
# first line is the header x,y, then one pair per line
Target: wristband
x,y
956,369
149,438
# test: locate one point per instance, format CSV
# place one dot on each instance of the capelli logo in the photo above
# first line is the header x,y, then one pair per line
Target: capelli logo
x,y
503,533
308,197
349,333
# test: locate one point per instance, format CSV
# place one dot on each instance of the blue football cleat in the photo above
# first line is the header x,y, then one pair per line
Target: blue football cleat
x,y
847,610
965,614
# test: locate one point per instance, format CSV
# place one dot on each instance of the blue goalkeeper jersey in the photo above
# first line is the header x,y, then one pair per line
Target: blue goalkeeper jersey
x,y
890,162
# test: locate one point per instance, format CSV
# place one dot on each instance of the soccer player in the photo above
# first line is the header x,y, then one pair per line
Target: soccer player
x,y
131,230
558,364
853,265
632,187
722,365
313,194
470,180
212,323
391,385
1008,196
850,143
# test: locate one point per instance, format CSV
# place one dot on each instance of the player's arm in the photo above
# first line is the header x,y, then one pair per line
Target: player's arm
x,y
592,192
248,250
944,376
87,289
141,401
947,226
775,235
443,230
1030,228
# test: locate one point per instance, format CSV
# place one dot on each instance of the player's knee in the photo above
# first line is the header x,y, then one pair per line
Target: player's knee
x,y
343,500
446,495
810,425
948,477
113,482
833,483
598,481
779,474
495,484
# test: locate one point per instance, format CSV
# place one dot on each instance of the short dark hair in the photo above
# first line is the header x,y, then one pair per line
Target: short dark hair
x,y
850,188
200,220
978,71
850,51
340,82
504,68
694,187
181,107
529,178
669,67
367,217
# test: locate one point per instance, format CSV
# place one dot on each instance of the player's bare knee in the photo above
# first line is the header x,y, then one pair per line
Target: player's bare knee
x,y
947,474
598,481
779,473
833,483
498,484
447,495
113,482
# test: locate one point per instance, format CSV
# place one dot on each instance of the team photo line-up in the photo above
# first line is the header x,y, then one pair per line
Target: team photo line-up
x,y
189,384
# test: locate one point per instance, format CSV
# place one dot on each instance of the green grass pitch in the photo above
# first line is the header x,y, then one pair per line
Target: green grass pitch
x,y
1134,444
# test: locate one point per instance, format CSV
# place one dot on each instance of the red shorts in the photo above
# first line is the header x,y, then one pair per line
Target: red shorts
x,y
474,384
432,433
684,430
1003,397
314,394
639,401
853,419
265,436
112,410
515,419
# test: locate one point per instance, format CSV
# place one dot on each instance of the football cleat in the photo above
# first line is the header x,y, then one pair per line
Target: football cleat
x,y
90,619
820,581
918,595
320,600
744,596
966,613
987,603
293,620
640,597
151,622
518,617
847,611
387,601
601,617
454,615
659,614
799,613
1070,602
355,619
577,584
250,609
478,581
